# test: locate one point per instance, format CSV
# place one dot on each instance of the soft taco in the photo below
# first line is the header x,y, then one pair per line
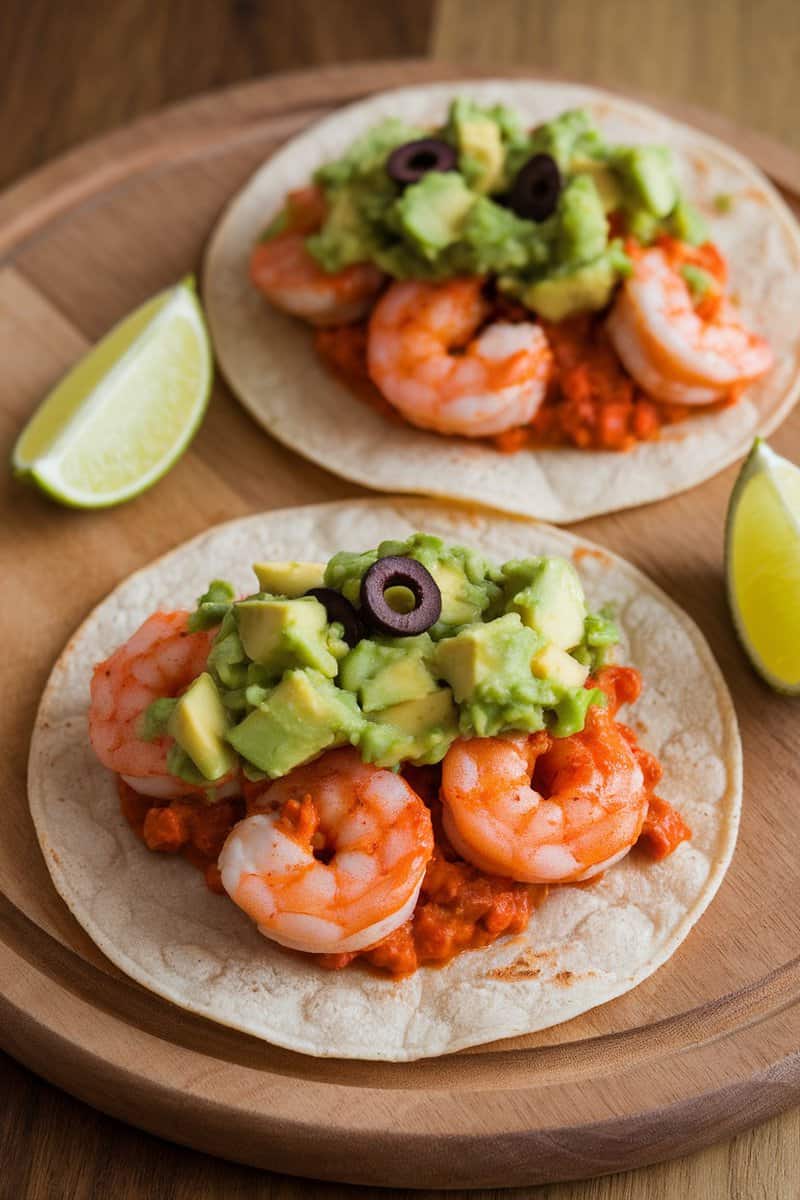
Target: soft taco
x,y
534,295
423,774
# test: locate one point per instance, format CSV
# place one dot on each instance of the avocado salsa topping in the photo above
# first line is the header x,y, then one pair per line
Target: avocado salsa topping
x,y
497,649
370,763
532,286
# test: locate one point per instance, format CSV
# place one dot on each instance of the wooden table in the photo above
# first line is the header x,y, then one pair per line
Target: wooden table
x,y
73,71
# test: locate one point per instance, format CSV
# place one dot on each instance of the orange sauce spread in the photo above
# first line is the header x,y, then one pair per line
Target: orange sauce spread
x,y
460,907
188,827
592,401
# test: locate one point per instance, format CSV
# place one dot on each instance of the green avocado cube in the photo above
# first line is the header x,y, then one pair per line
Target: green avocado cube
x,y
605,180
416,716
586,289
290,579
198,723
279,634
432,212
419,731
548,595
304,715
458,602
559,668
481,143
496,653
582,224
388,672
403,680
649,178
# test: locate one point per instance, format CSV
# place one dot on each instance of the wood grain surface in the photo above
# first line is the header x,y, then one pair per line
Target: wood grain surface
x,y
72,71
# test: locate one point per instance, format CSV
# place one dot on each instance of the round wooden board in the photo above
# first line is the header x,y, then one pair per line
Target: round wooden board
x,y
706,1047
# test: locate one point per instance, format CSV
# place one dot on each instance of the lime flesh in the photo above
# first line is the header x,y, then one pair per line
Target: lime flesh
x,y
126,412
763,565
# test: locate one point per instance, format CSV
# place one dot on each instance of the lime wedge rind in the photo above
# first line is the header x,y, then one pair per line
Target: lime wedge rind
x,y
763,580
124,414
67,395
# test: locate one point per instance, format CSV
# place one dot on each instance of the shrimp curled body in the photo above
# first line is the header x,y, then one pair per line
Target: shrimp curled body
x,y
423,354
374,837
283,270
160,659
675,353
587,815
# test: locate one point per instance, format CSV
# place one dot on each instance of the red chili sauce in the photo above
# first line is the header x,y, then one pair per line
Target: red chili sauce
x,y
592,401
460,907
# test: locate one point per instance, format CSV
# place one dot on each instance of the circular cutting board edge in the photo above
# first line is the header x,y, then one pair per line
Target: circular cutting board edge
x,y
469,1120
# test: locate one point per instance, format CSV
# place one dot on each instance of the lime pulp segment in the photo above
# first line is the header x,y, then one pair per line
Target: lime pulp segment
x,y
764,566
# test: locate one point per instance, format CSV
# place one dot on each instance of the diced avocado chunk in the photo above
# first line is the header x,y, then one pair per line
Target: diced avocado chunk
x,y
648,178
483,652
488,667
419,731
495,239
569,136
290,579
416,716
481,146
548,595
227,659
388,671
460,606
432,212
563,671
688,224
582,223
304,715
571,710
212,606
279,634
586,289
605,180
198,723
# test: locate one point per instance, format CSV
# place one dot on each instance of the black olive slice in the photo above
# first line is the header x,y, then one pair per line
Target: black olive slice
x,y
535,191
408,163
396,571
340,609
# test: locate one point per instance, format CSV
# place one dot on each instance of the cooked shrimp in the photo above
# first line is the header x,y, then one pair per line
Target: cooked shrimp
x,y
284,271
374,838
587,815
424,357
161,659
675,352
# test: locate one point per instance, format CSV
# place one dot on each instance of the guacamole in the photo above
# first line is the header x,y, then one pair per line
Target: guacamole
x,y
465,220
511,649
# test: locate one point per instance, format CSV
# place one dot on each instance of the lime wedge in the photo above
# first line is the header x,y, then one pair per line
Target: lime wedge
x,y
127,411
762,565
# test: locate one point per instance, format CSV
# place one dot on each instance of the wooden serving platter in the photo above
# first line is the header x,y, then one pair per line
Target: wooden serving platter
x,y
707,1046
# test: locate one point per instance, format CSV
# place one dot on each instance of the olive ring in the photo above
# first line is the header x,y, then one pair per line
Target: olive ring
x,y
409,162
396,571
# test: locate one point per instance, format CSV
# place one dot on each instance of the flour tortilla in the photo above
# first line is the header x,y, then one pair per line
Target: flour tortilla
x,y
154,918
269,360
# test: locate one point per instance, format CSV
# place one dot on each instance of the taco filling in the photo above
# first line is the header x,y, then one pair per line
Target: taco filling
x,y
535,287
392,757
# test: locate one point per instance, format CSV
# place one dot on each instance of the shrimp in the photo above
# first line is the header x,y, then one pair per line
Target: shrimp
x,y
675,352
585,813
333,857
160,659
424,357
284,271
